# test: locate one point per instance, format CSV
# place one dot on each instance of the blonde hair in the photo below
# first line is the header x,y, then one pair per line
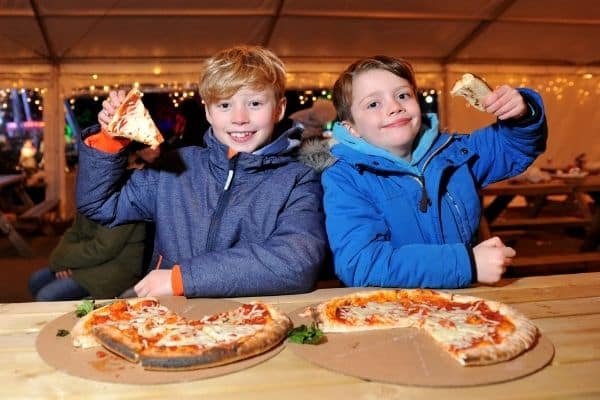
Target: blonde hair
x,y
231,69
342,89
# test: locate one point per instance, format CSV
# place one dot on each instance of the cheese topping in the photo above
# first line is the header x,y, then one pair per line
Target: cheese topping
x,y
456,325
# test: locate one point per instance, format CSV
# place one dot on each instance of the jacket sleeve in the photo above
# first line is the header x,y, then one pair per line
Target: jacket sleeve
x,y
286,262
363,253
105,245
507,148
110,194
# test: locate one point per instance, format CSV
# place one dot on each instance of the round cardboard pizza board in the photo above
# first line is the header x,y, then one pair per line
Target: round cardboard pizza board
x,y
408,356
99,364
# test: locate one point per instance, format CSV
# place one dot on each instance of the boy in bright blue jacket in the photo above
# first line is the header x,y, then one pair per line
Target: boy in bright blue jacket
x,y
401,201
244,217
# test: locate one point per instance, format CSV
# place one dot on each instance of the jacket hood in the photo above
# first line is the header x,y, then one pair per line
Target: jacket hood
x,y
315,152
429,132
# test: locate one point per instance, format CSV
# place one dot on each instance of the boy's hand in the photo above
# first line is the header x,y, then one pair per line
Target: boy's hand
x,y
109,106
505,102
491,259
156,283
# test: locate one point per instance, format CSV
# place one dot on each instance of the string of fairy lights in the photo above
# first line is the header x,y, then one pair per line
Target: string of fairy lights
x,y
584,86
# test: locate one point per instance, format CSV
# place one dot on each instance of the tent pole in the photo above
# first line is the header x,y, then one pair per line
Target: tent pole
x,y
444,117
54,142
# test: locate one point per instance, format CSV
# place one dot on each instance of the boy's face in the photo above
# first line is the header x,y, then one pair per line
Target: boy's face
x,y
245,121
385,110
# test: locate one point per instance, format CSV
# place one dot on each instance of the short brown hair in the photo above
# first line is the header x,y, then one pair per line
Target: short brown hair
x,y
342,89
230,69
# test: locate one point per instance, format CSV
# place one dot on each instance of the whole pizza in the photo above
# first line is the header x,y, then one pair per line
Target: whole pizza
x,y
472,330
144,331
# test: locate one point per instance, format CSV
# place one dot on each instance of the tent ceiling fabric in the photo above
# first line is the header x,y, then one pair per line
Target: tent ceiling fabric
x,y
548,32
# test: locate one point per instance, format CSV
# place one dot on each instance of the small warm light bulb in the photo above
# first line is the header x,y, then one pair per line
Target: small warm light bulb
x,y
94,76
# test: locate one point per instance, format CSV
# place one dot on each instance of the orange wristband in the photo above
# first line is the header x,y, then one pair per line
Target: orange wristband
x,y
103,141
177,281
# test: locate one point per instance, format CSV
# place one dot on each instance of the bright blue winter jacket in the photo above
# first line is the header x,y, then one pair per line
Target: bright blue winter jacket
x,y
392,223
264,235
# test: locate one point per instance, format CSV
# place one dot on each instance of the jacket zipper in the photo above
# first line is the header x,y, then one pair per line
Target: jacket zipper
x,y
459,215
425,200
215,221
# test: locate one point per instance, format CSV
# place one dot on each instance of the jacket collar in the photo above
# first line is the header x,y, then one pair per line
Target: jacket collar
x,y
278,151
375,157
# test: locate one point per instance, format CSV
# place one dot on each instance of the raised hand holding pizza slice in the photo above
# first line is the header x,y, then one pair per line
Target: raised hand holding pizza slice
x,y
131,120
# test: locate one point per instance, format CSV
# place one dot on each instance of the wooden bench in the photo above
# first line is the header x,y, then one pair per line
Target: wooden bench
x,y
541,221
37,215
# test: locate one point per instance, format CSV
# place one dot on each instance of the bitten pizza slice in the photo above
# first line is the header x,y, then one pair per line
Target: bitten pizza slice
x,y
132,121
117,312
472,88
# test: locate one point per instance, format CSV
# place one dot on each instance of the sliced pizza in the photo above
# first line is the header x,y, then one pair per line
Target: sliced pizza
x,y
132,121
472,330
142,330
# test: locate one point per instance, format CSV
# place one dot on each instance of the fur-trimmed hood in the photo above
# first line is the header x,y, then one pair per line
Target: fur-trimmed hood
x,y
315,152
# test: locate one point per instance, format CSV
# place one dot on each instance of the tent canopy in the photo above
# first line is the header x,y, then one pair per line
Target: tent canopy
x,y
549,32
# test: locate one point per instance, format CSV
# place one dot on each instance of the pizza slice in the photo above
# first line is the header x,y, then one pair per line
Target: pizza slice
x,y
117,312
472,88
132,121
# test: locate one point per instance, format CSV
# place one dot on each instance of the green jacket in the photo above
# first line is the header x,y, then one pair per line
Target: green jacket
x,y
105,261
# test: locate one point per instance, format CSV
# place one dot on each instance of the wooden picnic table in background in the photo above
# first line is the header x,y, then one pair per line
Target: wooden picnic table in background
x,y
566,308
14,185
576,192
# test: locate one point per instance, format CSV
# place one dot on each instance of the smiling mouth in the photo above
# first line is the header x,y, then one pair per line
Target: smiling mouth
x,y
398,123
242,136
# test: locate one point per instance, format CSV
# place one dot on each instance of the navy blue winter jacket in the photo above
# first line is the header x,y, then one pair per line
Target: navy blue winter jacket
x,y
396,224
263,235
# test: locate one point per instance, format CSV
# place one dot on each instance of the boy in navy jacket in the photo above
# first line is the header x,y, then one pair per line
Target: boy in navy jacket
x,y
245,217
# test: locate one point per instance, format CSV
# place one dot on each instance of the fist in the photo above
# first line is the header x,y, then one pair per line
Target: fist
x,y
156,283
491,259
505,102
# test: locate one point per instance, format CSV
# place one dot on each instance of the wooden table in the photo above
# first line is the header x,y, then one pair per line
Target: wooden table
x,y
566,308
15,183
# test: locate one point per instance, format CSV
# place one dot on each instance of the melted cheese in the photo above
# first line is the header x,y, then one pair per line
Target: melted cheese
x,y
186,336
386,313
227,333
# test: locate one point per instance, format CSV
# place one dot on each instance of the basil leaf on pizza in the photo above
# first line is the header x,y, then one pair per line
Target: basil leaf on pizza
x,y
84,308
306,335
